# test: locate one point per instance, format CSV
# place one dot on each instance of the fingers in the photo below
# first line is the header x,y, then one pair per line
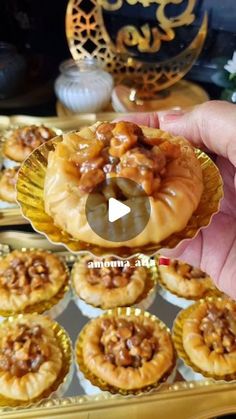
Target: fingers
x,y
212,124
148,119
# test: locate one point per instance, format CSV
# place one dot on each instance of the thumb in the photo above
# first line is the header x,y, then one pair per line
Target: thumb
x,y
212,124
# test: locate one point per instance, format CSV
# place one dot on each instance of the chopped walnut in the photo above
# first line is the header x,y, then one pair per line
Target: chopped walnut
x,y
104,132
122,150
218,328
187,271
25,275
90,180
111,277
23,350
125,136
127,343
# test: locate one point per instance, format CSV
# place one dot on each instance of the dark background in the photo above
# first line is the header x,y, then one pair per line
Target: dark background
x,y
37,29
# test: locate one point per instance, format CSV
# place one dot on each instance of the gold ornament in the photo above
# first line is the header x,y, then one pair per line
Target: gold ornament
x,y
87,37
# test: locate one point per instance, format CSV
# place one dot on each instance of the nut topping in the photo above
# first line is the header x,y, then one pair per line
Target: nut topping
x,y
127,343
187,271
111,277
25,275
23,350
33,136
121,149
218,328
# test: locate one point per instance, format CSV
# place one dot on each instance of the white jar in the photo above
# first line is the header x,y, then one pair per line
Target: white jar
x,y
83,86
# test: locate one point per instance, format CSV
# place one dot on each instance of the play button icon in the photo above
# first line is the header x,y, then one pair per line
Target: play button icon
x,y
118,209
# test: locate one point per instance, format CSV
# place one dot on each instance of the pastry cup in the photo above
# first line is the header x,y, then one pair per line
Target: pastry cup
x,y
52,307
92,390
30,187
9,162
190,370
63,381
144,301
86,374
176,298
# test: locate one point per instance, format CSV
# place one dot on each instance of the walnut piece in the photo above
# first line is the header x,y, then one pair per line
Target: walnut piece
x,y
25,275
120,149
218,329
23,350
187,271
112,276
127,343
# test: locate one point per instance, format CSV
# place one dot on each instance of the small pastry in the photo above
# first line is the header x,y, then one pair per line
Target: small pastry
x,y
30,357
185,280
29,278
127,352
8,179
166,167
120,284
209,337
20,142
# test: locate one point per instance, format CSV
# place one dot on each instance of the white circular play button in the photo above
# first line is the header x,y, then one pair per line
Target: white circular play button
x,y
118,209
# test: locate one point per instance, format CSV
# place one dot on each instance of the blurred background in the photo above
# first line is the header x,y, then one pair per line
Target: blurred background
x,y
35,30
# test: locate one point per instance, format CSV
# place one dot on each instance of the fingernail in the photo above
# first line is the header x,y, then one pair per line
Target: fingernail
x,y
171,116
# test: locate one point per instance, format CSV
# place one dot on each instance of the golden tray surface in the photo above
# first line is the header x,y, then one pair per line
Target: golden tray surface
x,y
188,400
30,188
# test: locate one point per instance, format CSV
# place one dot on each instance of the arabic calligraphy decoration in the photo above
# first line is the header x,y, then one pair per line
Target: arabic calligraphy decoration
x,y
146,38
134,42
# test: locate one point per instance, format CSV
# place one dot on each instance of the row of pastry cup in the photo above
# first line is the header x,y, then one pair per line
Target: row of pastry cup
x,y
60,301
197,360
93,300
97,373
66,288
53,376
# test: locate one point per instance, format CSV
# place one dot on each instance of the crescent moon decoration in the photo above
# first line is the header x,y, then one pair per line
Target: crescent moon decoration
x,y
87,37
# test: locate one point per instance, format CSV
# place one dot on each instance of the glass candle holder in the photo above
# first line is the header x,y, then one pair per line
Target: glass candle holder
x,y
83,86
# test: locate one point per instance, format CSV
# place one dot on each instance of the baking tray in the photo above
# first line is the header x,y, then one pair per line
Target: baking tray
x,y
185,400
12,216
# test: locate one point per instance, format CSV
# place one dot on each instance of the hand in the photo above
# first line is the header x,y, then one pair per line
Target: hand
x,y
211,126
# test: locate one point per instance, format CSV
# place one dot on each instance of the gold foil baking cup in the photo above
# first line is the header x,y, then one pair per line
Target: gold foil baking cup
x,y
65,345
177,334
42,306
30,191
103,385
208,293
150,284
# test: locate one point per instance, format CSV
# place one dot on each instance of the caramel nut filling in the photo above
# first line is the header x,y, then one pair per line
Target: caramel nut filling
x,y
110,277
25,275
33,136
23,350
126,343
218,329
187,271
121,149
